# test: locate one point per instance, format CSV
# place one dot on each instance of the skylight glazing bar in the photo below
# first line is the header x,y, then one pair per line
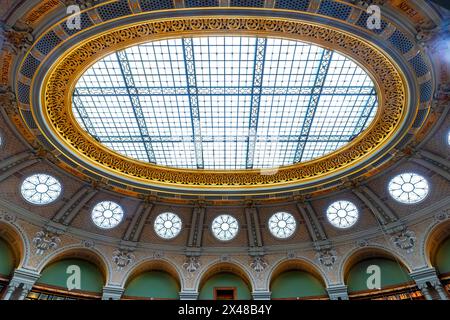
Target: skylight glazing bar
x,y
176,139
313,103
188,54
260,57
182,91
372,102
136,104
84,116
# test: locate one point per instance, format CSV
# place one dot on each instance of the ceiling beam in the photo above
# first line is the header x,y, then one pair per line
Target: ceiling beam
x,y
322,72
135,103
258,71
191,77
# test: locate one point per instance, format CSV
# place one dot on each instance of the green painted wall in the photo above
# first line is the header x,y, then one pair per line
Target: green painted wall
x,y
56,275
154,284
391,274
225,280
293,284
443,257
6,259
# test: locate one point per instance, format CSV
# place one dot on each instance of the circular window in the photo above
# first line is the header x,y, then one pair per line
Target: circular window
x,y
342,214
107,214
40,189
282,225
408,188
167,225
225,227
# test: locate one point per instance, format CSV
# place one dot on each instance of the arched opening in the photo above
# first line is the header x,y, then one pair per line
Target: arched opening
x,y
378,275
11,253
72,275
154,280
225,282
438,252
297,280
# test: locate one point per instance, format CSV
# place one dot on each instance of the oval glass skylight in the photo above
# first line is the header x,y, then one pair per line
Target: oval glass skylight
x,y
224,102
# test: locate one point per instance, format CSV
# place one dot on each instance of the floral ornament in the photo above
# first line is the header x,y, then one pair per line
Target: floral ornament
x,y
192,264
258,264
122,258
45,240
406,240
327,257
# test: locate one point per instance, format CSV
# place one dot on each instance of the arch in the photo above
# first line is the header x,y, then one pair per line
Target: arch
x,y
394,268
375,250
226,270
14,241
436,236
91,255
297,272
168,271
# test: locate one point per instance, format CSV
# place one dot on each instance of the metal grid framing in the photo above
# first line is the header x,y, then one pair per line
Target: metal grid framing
x,y
224,102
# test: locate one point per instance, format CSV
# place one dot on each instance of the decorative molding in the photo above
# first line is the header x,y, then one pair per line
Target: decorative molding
x,y
8,100
18,39
258,264
192,264
122,258
405,240
8,217
327,258
45,241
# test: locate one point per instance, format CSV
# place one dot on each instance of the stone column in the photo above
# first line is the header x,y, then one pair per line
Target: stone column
x,y
426,279
441,291
112,292
21,284
337,292
261,295
423,287
188,295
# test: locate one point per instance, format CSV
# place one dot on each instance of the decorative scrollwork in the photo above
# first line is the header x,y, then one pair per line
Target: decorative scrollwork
x,y
122,258
191,264
17,38
327,257
405,240
44,241
258,264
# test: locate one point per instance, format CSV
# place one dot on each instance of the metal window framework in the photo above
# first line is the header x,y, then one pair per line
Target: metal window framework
x,y
191,77
258,71
322,72
136,104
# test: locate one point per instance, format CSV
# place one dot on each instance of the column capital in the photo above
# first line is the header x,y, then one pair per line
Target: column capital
x,y
337,292
188,295
25,276
112,292
423,275
261,295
